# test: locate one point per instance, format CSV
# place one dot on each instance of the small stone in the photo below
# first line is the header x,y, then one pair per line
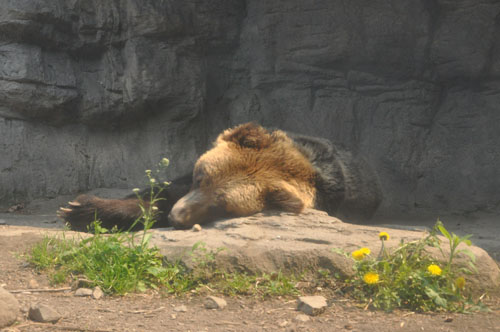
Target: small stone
x,y
97,293
181,308
302,318
32,284
173,316
84,292
213,302
283,323
43,313
312,305
196,228
9,308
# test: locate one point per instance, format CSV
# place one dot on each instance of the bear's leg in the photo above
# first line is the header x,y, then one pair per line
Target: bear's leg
x,y
285,200
122,212
85,209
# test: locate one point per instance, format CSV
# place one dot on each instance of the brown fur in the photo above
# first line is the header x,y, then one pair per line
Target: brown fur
x,y
248,170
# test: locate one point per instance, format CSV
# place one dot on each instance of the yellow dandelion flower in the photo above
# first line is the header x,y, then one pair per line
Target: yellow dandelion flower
x,y
460,283
360,253
136,190
434,269
365,251
371,278
384,236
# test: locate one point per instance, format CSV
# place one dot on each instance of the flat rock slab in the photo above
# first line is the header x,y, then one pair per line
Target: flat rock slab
x,y
282,241
43,313
311,305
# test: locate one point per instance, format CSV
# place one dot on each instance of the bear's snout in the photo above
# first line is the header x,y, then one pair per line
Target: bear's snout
x,y
181,216
194,208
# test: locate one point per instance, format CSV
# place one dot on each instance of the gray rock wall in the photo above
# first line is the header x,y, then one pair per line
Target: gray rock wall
x,y
94,92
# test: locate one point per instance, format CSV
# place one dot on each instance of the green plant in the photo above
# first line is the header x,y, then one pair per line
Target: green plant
x,y
112,262
408,277
454,241
117,262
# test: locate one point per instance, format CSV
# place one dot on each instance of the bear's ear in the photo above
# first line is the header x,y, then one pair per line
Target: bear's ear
x,y
248,135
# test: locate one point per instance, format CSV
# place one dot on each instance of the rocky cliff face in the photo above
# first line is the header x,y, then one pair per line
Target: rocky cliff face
x,y
94,92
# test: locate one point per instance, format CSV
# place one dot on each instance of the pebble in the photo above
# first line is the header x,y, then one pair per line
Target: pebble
x,y
213,302
84,292
43,313
311,305
196,228
97,293
32,284
181,308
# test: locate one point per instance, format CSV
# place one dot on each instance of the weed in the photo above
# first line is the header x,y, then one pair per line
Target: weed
x,y
408,277
119,262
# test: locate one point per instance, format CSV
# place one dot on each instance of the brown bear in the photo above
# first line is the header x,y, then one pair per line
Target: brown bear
x,y
248,170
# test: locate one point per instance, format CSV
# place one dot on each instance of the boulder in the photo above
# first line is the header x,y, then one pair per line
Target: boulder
x,y
274,241
9,308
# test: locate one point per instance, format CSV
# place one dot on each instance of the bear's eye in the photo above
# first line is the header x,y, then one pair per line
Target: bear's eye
x,y
197,181
197,177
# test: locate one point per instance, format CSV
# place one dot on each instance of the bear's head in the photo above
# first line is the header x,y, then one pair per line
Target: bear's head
x,y
248,170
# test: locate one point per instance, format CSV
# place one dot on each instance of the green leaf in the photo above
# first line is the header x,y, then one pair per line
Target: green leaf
x,y
473,267
141,287
440,301
435,297
146,239
468,253
444,231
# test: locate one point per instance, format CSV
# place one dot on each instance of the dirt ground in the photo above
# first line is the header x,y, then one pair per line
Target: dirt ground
x,y
156,312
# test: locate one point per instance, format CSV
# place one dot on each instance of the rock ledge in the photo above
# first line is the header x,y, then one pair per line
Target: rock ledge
x,y
281,241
